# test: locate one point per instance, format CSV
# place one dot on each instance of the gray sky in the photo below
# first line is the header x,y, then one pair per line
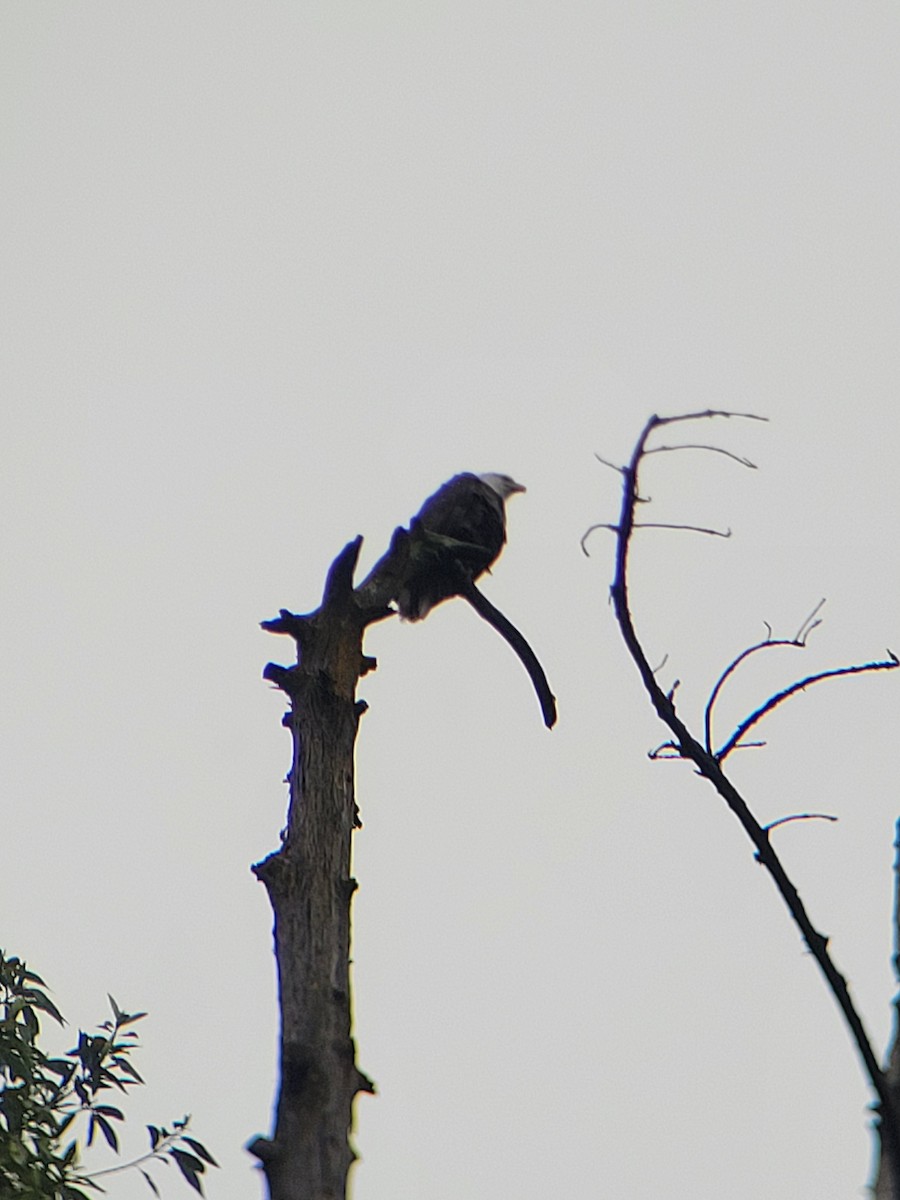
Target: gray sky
x,y
271,273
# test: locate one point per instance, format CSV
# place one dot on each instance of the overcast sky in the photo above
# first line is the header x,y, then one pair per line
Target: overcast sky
x,y
271,273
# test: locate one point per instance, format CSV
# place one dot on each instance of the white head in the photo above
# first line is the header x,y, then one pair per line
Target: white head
x,y
503,485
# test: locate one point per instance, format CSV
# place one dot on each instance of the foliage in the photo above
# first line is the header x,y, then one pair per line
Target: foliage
x,y
50,1108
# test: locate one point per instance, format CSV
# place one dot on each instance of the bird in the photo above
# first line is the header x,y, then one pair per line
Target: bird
x,y
456,536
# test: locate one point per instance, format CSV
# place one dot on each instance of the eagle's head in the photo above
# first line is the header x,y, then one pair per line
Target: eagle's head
x,y
503,485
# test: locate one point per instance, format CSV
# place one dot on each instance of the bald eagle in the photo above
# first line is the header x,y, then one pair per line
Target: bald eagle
x,y
458,532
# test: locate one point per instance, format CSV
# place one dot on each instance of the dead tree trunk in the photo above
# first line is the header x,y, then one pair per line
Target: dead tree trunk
x,y
310,888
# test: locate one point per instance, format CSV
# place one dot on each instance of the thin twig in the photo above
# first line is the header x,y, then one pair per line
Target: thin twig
x,y
651,525
657,422
799,639
798,817
773,702
156,1154
590,530
813,621
659,752
612,466
744,462
690,528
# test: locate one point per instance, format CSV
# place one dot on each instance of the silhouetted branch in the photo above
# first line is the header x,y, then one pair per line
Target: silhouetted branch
x,y
612,466
726,533
293,624
779,698
744,462
658,422
592,529
813,621
799,640
667,750
709,766
339,581
798,817
652,525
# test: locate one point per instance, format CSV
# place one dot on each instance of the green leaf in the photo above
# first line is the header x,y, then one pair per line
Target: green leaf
x,y
130,1020
109,1111
201,1150
153,1188
190,1167
128,1069
42,1001
63,1067
108,1132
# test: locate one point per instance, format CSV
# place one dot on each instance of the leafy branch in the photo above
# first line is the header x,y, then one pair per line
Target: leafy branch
x,y
42,1098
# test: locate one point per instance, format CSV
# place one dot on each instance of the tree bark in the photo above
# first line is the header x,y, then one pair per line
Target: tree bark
x,y
310,889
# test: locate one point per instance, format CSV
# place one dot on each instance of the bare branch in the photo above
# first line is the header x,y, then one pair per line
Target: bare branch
x,y
658,422
662,751
798,817
773,702
799,640
813,621
651,525
708,765
676,753
690,528
339,581
602,525
612,466
744,462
